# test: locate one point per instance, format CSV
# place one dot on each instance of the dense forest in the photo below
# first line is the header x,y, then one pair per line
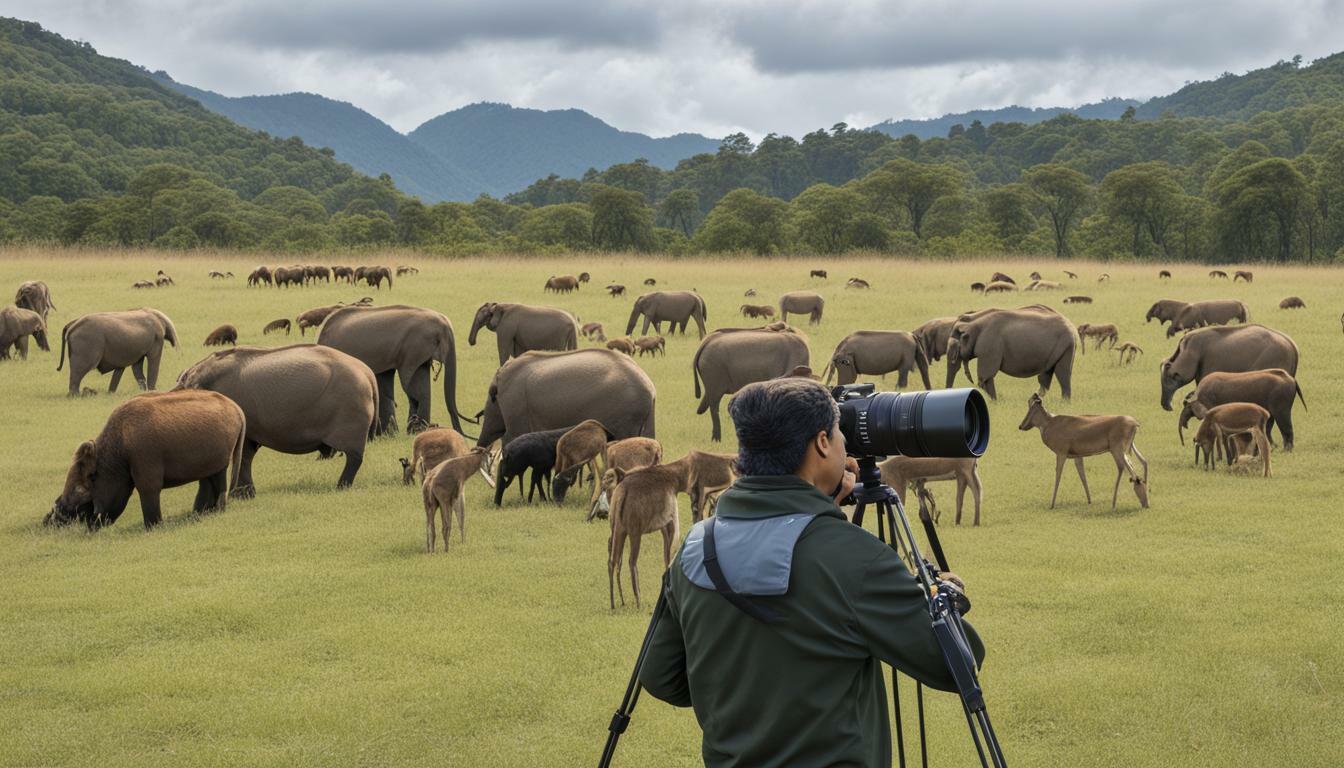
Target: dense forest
x,y
96,151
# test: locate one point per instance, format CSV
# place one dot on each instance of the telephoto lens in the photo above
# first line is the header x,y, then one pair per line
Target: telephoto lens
x,y
947,423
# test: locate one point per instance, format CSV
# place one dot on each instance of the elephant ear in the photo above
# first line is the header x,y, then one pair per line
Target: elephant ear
x,y
86,461
496,314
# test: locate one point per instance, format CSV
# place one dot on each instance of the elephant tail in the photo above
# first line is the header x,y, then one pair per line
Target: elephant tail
x,y
695,369
704,310
922,360
236,457
65,333
1298,388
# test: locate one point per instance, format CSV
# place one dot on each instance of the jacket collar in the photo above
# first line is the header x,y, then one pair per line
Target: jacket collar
x,y
760,496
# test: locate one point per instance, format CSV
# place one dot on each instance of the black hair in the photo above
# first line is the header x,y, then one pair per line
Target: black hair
x,y
776,420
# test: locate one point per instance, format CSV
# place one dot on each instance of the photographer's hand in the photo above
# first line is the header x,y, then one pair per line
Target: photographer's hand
x,y
849,480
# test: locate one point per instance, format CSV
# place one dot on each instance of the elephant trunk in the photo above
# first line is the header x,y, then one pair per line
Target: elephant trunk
x,y
41,335
634,315
1167,391
65,333
475,327
922,360
1186,413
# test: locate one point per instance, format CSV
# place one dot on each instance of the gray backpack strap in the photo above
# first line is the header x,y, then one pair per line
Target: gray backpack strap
x,y
756,611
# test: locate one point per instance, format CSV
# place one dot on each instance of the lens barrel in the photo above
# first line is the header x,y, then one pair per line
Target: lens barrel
x,y
947,423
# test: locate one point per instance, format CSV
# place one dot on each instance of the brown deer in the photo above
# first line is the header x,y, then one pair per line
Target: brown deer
x,y
1099,333
1222,422
627,455
653,345
899,471
1243,274
594,332
578,449
444,492
1128,351
1077,437
1217,274
622,344
643,501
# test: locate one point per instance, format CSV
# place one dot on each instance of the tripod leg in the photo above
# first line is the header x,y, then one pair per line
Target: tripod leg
x,y
896,705
923,741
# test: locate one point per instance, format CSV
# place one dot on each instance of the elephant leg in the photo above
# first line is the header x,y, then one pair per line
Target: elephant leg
x,y
988,386
149,486
415,383
902,378
353,459
111,386
387,404
1064,375
211,492
22,344
243,487
152,368
138,371
1044,383
1082,475
716,434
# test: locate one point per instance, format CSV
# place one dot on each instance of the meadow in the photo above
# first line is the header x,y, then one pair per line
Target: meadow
x,y
308,627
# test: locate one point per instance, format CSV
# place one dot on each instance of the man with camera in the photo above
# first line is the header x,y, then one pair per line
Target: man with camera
x,y
774,628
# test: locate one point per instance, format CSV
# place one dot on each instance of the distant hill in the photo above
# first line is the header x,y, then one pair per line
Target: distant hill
x,y
1238,97
1109,109
509,148
358,138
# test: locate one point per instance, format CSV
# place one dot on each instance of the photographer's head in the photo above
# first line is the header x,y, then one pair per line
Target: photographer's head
x,y
789,426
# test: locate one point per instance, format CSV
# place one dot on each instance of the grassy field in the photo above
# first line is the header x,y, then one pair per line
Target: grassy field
x,y
308,627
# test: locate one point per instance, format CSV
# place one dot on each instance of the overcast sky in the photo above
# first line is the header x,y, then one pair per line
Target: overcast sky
x,y
708,66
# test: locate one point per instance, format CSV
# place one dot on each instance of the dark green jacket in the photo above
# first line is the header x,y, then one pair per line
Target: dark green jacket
x,y
807,692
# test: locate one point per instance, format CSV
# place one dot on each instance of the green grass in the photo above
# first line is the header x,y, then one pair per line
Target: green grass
x,y
309,628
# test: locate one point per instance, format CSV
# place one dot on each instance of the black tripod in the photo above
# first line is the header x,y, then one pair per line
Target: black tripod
x,y
946,606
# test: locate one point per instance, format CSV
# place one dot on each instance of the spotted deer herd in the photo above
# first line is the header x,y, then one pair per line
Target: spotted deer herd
x,y
1244,375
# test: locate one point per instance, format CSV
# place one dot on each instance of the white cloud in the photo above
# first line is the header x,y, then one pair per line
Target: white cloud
x,y
787,66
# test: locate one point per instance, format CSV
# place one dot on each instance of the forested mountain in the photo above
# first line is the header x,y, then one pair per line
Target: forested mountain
x,y
508,148
1109,109
1283,85
358,138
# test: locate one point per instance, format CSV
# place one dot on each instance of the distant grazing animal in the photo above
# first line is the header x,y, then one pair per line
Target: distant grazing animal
x,y
1078,300
1232,349
154,441
578,449
1104,277
1225,421
282,324
142,284
1128,351
443,491
643,501
584,277
162,278
344,273
1044,285
407,270
430,447
366,301
1072,276
375,276
562,284
114,341
593,332
750,292
16,325
757,310
978,287
1099,333
1029,341
627,455
653,345
857,282
220,275
1243,274
260,275
678,308
318,272
1205,313
1164,275
900,471
807,303
1165,310
1293,302
313,318
1077,437
818,273
622,344
1000,286
534,451
877,353
1035,276
1000,277
520,328
1272,389
224,334
615,290
650,281
287,276
1217,273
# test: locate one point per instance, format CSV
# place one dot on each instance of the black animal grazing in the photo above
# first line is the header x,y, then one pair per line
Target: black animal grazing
x,y
535,451
818,273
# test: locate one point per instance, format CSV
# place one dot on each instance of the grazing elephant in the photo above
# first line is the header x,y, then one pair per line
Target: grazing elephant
x,y
403,341
562,284
933,337
674,307
877,353
376,275
549,390
521,328
1232,349
16,325
1203,313
1165,310
260,275
731,358
298,399
315,317
807,303
1271,389
287,276
154,441
955,361
36,296
111,341
1030,341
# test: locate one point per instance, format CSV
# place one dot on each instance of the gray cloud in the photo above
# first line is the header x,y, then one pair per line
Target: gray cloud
x,y
709,66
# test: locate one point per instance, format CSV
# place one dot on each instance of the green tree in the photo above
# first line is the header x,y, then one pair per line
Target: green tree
x,y
1146,198
621,220
1008,209
823,215
1259,205
1062,193
680,209
569,225
744,220
918,185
